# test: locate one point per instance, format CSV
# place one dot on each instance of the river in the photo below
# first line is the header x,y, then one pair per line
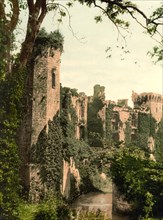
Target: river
x,y
95,201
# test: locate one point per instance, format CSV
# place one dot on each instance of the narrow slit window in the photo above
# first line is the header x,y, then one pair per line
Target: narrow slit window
x,y
53,78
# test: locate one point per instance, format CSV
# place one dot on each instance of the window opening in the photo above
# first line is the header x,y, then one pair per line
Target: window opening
x,y
53,78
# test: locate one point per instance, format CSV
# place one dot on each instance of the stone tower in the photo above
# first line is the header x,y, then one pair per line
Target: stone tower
x,y
42,104
80,104
149,102
45,104
46,91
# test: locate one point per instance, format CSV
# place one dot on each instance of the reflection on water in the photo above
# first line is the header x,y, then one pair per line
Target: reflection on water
x,y
95,201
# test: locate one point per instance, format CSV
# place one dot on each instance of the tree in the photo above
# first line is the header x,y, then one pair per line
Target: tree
x,y
138,179
11,71
114,9
38,9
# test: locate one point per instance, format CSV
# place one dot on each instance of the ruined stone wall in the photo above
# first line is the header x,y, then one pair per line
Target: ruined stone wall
x,y
102,114
99,91
46,91
39,97
156,110
149,102
53,91
45,105
69,171
119,116
80,104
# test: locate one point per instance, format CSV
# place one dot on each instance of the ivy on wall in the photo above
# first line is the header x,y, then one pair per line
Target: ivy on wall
x,y
46,40
83,155
159,143
95,124
47,156
128,131
109,142
146,128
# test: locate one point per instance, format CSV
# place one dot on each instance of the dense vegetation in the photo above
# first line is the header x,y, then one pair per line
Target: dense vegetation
x,y
47,156
80,150
139,179
159,143
95,124
11,94
12,90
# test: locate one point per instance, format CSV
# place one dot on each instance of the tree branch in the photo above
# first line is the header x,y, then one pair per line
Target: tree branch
x,y
106,12
2,11
43,11
31,6
37,13
15,15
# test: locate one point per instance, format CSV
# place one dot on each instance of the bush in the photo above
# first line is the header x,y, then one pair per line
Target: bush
x,y
89,215
47,210
139,179
27,211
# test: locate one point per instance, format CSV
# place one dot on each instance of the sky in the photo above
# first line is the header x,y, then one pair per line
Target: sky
x,y
85,61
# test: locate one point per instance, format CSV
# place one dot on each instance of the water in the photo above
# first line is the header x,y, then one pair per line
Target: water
x,y
96,200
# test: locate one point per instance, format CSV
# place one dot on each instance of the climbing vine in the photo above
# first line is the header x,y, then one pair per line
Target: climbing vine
x,y
95,124
109,142
146,128
46,40
47,156
159,142
11,102
79,150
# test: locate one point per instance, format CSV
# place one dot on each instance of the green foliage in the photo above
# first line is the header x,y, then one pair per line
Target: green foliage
x,y
98,19
46,210
44,40
89,215
83,155
27,211
159,143
138,179
50,208
68,121
47,155
113,10
152,29
94,123
53,209
157,53
146,128
112,127
11,94
128,131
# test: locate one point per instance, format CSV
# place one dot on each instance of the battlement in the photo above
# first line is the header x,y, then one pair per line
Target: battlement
x,y
149,101
146,97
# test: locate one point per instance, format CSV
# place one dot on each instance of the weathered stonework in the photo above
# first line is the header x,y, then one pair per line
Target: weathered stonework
x,y
69,168
123,115
42,104
46,91
149,102
45,105
99,91
80,104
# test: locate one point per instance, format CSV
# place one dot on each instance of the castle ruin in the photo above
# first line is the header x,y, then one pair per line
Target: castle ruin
x,y
149,102
43,101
